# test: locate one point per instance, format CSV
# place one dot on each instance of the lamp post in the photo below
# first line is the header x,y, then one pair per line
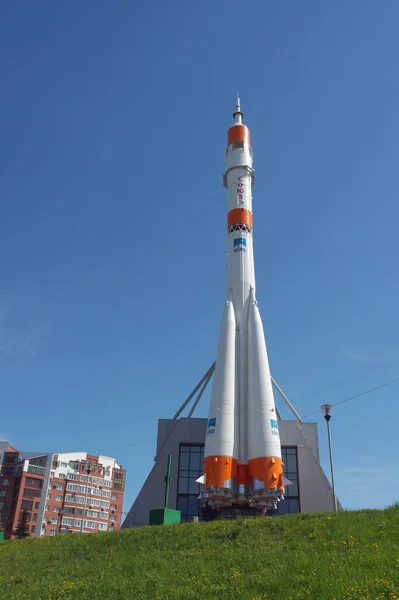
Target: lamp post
x,y
326,408
89,469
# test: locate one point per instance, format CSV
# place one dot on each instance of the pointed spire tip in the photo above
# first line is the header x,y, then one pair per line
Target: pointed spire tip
x,y
237,116
238,104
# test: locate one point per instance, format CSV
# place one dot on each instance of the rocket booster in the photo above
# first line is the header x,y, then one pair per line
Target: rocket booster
x,y
242,459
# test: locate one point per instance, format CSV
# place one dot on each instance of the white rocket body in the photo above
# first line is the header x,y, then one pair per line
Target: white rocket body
x,y
242,459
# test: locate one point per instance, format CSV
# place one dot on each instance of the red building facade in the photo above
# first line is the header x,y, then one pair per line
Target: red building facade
x,y
62,493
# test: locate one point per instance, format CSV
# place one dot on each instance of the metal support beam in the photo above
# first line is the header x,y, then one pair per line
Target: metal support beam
x,y
203,384
202,390
288,403
195,390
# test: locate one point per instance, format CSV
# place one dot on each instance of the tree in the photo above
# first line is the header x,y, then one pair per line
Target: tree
x,y
22,529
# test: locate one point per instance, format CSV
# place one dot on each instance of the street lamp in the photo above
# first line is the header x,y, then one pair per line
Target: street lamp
x,y
326,408
89,469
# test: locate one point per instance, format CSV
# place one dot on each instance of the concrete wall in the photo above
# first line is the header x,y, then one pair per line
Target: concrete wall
x,y
171,433
315,493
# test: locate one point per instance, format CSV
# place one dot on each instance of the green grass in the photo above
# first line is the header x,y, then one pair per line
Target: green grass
x,y
348,556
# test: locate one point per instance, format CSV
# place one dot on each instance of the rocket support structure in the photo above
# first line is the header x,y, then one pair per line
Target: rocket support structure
x,y
242,459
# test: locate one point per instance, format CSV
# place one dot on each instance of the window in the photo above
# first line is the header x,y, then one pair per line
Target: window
x,y
92,513
82,489
290,504
63,465
69,510
72,487
57,509
78,522
29,493
33,482
104,504
58,498
1,505
36,470
111,518
28,514
107,483
5,482
47,508
114,496
73,476
113,506
83,478
2,493
34,517
37,504
48,496
106,494
90,524
60,486
102,526
27,505
70,498
53,532
52,473
54,520
67,521
94,502
62,475
33,528
103,515
190,468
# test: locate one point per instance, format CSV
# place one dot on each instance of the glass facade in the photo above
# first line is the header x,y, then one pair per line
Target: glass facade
x,y
290,504
190,468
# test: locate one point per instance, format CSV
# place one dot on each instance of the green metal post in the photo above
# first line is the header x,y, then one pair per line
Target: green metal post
x,y
165,515
167,481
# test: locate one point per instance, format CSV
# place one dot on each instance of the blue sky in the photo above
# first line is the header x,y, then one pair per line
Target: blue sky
x,y
112,230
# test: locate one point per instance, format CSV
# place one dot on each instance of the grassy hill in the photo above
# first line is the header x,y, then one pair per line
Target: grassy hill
x,y
348,556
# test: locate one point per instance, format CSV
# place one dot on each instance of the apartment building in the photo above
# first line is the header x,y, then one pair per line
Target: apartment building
x,y
73,492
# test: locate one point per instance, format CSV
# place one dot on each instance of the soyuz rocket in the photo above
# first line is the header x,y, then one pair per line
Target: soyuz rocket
x,y
242,458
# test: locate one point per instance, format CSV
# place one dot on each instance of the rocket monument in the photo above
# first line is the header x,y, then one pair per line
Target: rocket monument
x,y
242,459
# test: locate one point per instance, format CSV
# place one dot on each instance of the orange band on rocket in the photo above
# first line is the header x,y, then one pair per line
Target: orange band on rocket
x,y
238,133
239,216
